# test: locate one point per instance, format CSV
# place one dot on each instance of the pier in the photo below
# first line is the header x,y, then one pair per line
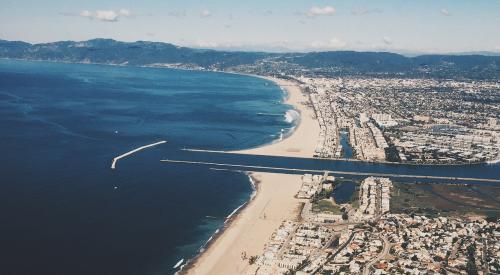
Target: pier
x,y
367,174
115,160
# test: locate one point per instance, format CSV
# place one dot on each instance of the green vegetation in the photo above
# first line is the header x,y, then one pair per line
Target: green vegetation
x,y
324,194
445,199
326,205
471,260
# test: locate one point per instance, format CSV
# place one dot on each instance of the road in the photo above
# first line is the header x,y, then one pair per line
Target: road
x,y
385,251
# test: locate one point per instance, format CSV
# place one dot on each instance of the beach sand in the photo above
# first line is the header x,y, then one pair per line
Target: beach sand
x,y
303,140
252,227
249,231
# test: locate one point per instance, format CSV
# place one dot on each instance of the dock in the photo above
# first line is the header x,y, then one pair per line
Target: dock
x,y
115,160
367,174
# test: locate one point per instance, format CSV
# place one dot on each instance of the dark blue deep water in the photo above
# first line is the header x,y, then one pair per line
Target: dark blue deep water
x,y
344,191
64,211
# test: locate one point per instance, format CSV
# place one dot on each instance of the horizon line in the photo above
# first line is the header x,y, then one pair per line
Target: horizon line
x,y
248,49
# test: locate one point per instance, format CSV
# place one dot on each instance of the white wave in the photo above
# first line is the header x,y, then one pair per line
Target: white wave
x,y
493,161
234,212
178,263
291,116
254,188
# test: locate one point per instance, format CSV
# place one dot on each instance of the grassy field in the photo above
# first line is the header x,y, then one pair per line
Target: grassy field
x,y
326,205
446,199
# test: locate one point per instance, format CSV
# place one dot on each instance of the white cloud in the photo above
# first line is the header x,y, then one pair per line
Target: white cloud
x,y
337,43
445,12
124,12
86,13
315,11
387,40
206,44
334,43
105,15
205,13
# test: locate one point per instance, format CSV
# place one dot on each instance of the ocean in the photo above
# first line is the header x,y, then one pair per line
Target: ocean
x,y
64,211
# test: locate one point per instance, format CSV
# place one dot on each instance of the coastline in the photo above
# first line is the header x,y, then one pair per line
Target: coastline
x,y
192,262
247,231
301,142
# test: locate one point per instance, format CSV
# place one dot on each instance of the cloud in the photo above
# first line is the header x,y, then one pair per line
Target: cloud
x,y
105,15
124,12
86,13
334,43
316,11
205,13
445,12
365,11
337,43
387,40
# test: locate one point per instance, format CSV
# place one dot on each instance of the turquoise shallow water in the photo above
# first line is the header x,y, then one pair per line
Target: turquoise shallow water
x,y
64,211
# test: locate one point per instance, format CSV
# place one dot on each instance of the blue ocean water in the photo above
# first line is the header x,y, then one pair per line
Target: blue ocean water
x,y
64,211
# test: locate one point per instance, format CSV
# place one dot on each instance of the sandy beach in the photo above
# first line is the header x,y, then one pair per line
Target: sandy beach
x,y
252,227
304,138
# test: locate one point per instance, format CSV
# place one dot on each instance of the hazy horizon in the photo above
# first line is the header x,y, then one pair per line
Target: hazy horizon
x,y
411,27
278,51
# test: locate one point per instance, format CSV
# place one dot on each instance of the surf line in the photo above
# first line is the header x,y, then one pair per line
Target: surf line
x,y
115,160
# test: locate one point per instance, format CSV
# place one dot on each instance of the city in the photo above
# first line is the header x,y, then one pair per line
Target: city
x,y
364,237
419,121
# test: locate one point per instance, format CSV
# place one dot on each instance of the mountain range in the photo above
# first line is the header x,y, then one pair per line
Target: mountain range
x,y
330,63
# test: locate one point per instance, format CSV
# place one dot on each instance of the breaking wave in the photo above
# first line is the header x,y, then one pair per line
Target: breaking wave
x,y
291,116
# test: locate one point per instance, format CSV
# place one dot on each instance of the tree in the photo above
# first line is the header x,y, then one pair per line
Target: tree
x,y
345,216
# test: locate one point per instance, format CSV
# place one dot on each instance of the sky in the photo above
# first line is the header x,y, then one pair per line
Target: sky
x,y
418,26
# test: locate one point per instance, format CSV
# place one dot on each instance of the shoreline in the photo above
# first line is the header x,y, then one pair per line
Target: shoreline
x,y
258,150
191,263
301,140
244,235
220,244
247,229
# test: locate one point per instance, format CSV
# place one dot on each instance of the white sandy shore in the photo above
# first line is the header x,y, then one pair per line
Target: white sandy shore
x,y
274,202
252,227
303,140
